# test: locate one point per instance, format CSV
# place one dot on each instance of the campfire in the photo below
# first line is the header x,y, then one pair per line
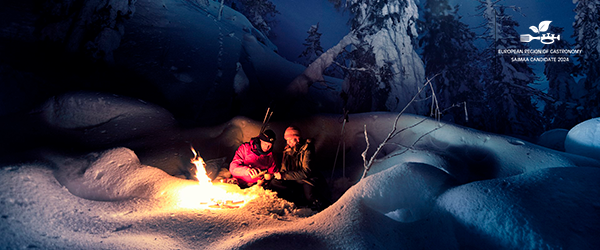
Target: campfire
x,y
208,195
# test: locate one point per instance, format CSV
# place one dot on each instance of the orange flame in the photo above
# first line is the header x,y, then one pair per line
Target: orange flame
x,y
200,174
207,195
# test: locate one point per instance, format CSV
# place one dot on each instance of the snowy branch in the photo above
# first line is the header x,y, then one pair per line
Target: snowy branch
x,y
221,10
351,69
314,72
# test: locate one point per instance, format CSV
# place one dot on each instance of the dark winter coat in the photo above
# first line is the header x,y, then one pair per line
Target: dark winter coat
x,y
249,155
296,162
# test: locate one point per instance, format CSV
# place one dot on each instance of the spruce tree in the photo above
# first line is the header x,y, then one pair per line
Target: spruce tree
x,y
564,109
312,45
509,96
452,62
587,38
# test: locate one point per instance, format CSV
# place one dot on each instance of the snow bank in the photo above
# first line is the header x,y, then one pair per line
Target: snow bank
x,y
584,139
435,185
116,203
37,212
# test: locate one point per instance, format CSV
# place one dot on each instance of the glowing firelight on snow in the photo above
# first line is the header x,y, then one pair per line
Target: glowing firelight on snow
x,y
209,195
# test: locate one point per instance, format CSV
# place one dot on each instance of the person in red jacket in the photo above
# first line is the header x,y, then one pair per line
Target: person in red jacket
x,y
254,160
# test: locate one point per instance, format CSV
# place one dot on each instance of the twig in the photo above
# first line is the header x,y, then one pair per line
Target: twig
x,y
414,143
391,134
364,153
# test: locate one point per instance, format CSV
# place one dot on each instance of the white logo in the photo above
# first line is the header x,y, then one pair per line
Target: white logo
x,y
545,38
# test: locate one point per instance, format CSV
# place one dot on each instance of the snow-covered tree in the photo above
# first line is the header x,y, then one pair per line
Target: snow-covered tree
x,y
452,63
587,38
313,50
360,91
260,13
92,27
388,27
510,98
487,9
336,3
312,45
564,109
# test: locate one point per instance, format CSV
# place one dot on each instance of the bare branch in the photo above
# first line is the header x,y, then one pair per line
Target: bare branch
x,y
364,153
406,148
392,133
411,126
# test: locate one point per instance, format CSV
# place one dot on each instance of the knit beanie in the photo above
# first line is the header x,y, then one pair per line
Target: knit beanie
x,y
267,136
291,131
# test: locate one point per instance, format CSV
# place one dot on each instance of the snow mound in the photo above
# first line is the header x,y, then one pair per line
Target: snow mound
x,y
584,139
529,211
111,176
38,212
405,193
554,139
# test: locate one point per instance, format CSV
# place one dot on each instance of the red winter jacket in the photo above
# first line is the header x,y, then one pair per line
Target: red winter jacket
x,y
248,155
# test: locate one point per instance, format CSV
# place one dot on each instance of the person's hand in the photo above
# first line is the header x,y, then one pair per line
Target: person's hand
x,y
277,175
268,177
253,172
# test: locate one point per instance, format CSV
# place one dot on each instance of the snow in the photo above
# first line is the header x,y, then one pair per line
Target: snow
x,y
454,188
101,171
584,139
554,139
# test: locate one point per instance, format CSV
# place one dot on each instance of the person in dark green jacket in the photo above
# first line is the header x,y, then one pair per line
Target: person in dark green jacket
x,y
297,174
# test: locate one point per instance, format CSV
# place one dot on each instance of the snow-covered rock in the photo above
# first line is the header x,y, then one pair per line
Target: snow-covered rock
x,y
584,139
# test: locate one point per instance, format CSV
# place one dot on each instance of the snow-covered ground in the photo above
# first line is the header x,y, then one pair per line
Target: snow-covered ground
x,y
453,188
89,170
